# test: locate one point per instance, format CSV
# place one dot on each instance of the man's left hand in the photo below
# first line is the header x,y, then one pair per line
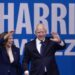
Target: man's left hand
x,y
55,38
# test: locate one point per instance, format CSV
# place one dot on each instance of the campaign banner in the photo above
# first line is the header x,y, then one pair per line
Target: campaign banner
x,y
58,16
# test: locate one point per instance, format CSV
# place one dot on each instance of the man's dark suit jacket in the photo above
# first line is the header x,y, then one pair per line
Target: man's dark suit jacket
x,y
6,68
38,62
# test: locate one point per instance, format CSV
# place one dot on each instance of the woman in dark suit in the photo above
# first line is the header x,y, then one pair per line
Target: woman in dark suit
x,y
9,55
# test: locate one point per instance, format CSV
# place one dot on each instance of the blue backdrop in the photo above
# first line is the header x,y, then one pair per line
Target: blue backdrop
x,y
58,16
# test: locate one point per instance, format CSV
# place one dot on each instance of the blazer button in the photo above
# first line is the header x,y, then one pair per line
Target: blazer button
x,y
8,71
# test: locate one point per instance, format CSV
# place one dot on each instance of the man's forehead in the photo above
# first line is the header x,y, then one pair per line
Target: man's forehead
x,y
40,26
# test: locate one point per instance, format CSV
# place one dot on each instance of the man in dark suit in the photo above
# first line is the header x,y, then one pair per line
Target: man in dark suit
x,y
41,53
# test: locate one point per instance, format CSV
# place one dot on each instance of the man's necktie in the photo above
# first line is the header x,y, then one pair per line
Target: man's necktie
x,y
42,49
43,46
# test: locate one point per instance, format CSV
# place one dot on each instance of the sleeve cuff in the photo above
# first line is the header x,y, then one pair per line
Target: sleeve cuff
x,y
61,43
26,72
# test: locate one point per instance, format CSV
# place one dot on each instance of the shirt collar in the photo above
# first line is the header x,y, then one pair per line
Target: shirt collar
x,y
38,41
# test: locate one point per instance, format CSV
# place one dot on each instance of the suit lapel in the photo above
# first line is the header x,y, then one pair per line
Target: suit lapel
x,y
48,45
35,48
5,55
14,53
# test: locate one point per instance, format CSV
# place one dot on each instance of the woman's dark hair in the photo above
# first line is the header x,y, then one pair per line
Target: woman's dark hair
x,y
2,36
5,41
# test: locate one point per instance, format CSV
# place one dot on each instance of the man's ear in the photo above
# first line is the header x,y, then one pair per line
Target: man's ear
x,y
35,32
45,31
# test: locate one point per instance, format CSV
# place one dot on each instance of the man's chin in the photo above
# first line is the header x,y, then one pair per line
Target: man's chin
x,y
41,39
